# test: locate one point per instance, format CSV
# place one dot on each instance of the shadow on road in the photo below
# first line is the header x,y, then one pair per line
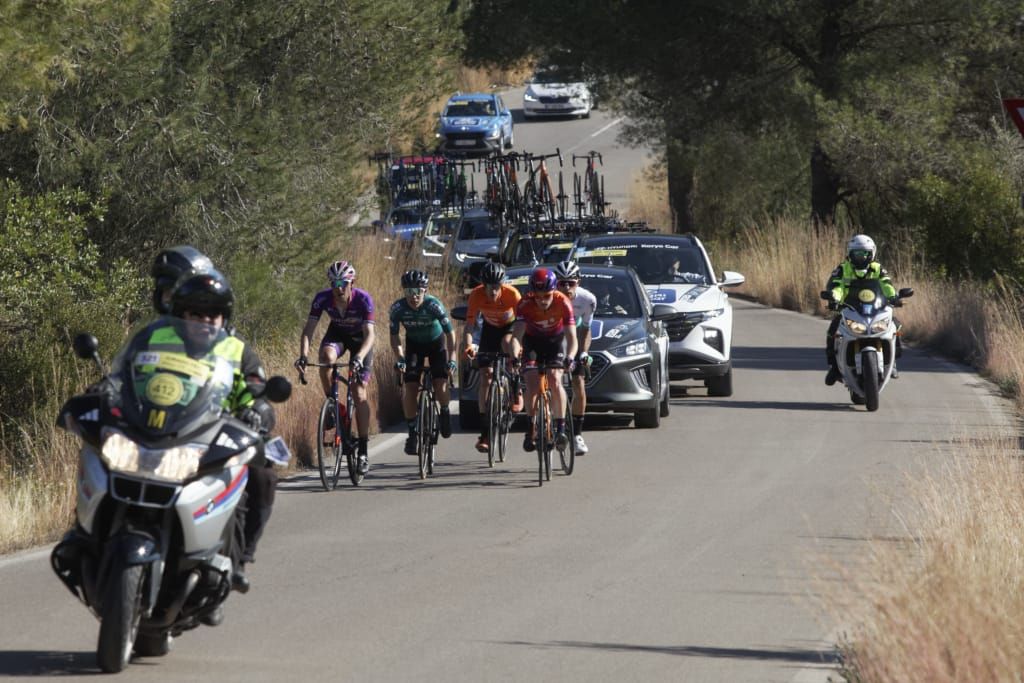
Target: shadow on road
x,y
771,405
47,663
796,655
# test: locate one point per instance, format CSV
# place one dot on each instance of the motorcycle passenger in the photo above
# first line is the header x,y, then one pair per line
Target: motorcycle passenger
x,y
429,336
496,302
859,264
546,329
584,304
351,314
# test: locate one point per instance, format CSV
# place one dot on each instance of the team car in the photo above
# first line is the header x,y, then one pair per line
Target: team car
x,y
556,91
475,123
677,271
629,348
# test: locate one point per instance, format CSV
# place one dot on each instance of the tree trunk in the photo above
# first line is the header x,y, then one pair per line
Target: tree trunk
x,y
824,187
681,184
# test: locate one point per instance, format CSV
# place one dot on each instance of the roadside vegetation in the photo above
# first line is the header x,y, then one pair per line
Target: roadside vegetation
x,y
782,128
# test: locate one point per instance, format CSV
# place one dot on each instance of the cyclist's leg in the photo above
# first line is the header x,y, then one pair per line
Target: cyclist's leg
x,y
359,394
439,374
579,406
414,363
331,346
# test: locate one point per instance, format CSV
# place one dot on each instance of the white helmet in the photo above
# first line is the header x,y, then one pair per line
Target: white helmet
x,y
340,270
861,251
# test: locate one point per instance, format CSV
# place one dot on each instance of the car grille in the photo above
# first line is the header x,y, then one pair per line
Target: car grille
x,y
464,136
682,325
144,493
561,99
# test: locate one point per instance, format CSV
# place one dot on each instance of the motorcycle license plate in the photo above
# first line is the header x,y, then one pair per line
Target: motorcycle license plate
x,y
277,451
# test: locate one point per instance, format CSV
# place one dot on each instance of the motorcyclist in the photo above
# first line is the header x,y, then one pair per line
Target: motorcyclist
x,y
169,266
860,264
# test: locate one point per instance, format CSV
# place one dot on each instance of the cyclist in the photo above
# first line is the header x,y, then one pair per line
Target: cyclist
x,y
429,336
546,328
496,302
584,303
351,329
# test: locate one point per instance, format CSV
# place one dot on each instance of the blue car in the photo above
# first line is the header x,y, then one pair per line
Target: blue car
x,y
475,123
403,222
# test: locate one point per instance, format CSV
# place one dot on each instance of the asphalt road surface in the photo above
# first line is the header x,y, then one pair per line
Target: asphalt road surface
x,y
697,551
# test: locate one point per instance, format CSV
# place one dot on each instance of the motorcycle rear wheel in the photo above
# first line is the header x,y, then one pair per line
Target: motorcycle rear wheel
x,y
119,618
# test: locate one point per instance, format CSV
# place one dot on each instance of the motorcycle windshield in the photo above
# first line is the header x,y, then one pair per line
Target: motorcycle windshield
x,y
866,297
173,376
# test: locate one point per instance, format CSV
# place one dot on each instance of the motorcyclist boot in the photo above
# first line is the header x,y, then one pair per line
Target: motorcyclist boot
x,y
239,581
833,375
214,618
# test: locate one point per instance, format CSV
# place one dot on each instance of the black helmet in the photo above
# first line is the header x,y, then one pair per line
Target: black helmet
x,y
203,293
415,278
170,266
492,273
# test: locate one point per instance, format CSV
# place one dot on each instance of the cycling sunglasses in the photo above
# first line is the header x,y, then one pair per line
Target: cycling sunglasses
x,y
568,283
340,284
414,291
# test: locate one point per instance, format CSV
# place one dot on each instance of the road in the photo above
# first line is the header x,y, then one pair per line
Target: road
x,y
693,552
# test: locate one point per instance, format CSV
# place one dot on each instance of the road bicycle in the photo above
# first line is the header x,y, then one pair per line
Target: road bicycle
x,y
338,443
498,406
589,192
538,197
428,421
545,439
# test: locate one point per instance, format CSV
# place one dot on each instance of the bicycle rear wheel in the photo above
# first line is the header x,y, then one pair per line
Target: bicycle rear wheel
x,y
435,433
349,439
328,455
504,417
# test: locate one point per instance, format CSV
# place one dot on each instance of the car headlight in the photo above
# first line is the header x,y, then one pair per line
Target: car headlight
x,y
529,96
460,257
632,349
856,327
714,313
121,454
494,133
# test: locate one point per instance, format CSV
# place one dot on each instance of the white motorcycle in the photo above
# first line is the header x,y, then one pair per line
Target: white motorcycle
x,y
866,339
162,472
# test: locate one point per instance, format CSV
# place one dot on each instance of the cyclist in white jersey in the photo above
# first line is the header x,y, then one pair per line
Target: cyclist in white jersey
x,y
584,303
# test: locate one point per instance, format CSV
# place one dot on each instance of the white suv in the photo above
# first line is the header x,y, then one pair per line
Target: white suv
x,y
676,270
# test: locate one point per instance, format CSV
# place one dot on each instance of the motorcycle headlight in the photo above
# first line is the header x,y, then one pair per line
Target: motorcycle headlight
x,y
632,349
856,327
880,326
121,454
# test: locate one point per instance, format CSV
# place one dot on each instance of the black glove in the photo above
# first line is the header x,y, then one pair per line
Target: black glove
x,y
302,362
252,418
357,364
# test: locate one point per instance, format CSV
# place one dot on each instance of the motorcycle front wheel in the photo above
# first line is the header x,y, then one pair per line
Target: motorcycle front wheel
x,y
869,378
119,618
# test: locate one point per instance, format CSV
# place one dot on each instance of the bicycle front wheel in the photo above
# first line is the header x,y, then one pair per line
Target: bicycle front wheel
x,y
567,454
504,417
423,429
493,420
542,437
328,447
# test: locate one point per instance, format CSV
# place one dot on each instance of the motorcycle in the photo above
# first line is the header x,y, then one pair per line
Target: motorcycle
x,y
866,339
161,476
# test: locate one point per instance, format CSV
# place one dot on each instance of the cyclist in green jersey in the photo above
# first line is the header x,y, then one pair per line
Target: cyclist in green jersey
x,y
429,336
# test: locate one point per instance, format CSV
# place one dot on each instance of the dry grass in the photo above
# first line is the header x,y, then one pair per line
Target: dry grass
x,y
648,199
946,607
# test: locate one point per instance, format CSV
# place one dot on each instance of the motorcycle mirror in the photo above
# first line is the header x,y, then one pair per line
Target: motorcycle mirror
x,y
85,345
826,295
278,389
906,292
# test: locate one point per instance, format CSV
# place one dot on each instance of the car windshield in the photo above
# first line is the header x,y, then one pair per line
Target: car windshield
x,y
554,74
405,217
442,226
616,295
656,263
470,108
478,229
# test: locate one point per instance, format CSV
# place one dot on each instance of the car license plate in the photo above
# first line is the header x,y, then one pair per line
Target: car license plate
x,y
465,143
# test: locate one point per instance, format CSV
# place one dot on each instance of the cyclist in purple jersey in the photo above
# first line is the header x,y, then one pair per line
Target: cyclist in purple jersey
x,y
351,329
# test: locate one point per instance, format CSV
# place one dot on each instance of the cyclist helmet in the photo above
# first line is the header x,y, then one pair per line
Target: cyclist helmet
x,y
169,266
543,280
567,270
861,251
415,278
205,293
340,270
492,273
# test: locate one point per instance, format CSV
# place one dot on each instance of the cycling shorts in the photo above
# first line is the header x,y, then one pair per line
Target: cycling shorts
x,y
342,341
433,353
547,351
490,343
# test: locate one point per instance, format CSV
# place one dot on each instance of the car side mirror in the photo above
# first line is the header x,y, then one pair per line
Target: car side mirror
x,y
663,312
278,389
906,292
459,313
731,279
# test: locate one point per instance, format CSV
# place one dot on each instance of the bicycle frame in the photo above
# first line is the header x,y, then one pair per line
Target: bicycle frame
x,y
344,442
545,425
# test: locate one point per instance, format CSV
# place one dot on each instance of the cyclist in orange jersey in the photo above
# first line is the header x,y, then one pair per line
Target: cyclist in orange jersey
x,y
496,302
